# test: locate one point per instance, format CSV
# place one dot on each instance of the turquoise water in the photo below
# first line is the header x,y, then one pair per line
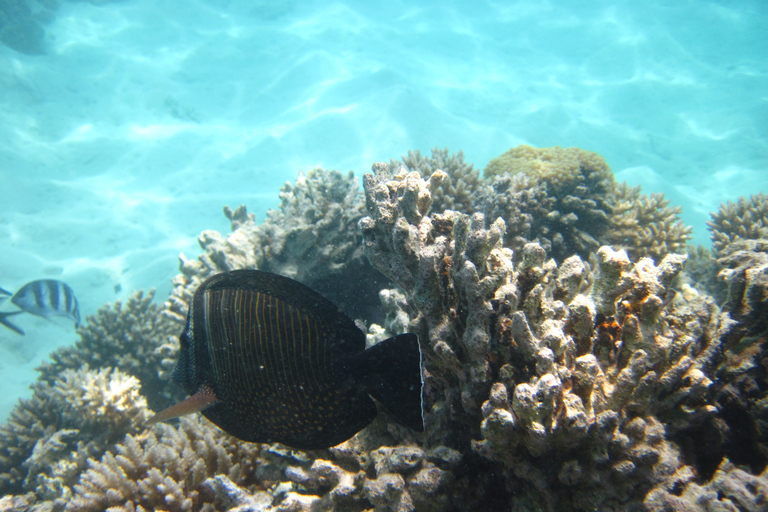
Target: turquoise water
x,y
142,119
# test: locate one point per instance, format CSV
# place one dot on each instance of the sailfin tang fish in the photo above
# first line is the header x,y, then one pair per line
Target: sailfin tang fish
x,y
48,298
267,359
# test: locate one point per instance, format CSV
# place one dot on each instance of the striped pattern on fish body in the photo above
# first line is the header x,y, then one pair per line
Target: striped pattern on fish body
x,y
276,365
48,298
269,360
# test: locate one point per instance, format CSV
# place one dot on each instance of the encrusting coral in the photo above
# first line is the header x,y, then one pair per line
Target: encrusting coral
x,y
560,373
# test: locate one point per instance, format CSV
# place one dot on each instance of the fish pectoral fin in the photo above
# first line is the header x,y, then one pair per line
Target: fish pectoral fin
x,y
200,401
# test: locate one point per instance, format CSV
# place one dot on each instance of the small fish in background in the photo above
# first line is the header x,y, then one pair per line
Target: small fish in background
x,y
48,298
268,359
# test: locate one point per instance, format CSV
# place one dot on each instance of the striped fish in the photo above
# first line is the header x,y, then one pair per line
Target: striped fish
x,y
269,360
48,298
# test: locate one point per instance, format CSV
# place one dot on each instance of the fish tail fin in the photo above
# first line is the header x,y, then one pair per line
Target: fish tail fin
x,y
8,324
391,373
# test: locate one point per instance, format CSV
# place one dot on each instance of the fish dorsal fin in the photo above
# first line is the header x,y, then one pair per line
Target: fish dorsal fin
x,y
200,401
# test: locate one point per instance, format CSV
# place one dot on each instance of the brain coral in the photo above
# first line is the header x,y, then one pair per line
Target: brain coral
x,y
563,170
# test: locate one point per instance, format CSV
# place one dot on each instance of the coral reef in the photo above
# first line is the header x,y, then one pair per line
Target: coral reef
x,y
731,489
458,189
645,225
564,195
310,238
567,201
746,219
45,443
166,468
130,335
569,361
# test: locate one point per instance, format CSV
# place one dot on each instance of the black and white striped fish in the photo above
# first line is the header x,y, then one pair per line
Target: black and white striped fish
x,y
48,298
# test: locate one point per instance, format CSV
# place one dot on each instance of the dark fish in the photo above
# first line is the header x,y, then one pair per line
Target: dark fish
x,y
269,360
48,298
4,294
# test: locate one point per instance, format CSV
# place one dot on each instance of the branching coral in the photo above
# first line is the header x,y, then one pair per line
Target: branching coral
x,y
165,468
310,238
131,335
458,189
645,225
746,219
44,445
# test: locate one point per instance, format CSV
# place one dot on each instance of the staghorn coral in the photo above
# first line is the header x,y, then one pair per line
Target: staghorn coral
x,y
645,225
131,335
45,443
746,219
310,238
458,189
